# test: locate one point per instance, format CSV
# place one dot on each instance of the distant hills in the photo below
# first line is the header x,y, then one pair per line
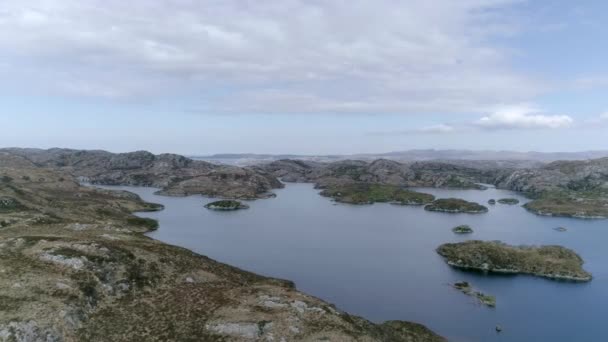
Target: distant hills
x,y
411,155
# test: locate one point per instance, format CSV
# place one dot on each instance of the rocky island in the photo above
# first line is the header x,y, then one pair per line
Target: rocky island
x,y
554,262
456,205
462,229
584,205
75,266
226,205
466,288
509,201
365,193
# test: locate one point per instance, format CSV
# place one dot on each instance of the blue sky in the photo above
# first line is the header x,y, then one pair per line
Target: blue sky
x,y
312,77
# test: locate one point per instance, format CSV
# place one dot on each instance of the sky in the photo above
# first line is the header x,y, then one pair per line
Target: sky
x,y
304,76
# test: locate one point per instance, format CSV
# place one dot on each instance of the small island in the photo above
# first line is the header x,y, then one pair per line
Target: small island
x,y
462,229
492,201
577,204
509,201
466,288
560,229
553,262
226,205
367,193
456,205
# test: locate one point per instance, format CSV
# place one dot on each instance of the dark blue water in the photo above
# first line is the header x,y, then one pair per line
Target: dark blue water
x,y
379,261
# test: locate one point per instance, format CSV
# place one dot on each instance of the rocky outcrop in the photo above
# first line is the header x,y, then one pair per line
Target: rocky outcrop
x,y
554,262
509,201
462,229
456,205
366,193
226,205
466,288
176,175
583,175
76,267
380,171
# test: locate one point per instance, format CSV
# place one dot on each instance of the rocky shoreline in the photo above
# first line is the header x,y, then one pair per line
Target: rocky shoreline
x,y
226,205
363,193
552,262
456,205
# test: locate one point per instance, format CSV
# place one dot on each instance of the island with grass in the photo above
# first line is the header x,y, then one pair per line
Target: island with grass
x,y
509,201
462,229
456,205
591,204
368,193
466,288
226,205
554,262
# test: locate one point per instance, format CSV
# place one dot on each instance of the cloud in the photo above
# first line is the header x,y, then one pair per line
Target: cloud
x,y
271,56
430,130
441,128
604,116
522,117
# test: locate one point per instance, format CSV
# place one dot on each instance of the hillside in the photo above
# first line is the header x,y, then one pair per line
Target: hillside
x,y
75,266
175,175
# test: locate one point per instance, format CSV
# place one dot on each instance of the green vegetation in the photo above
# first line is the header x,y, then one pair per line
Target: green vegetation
x,y
554,262
455,182
456,205
466,288
580,204
145,222
509,201
366,193
486,299
8,204
462,229
226,205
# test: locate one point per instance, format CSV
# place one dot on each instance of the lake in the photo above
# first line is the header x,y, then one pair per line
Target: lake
x,y
378,261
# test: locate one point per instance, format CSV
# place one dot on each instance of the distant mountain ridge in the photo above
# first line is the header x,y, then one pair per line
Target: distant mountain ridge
x,y
411,155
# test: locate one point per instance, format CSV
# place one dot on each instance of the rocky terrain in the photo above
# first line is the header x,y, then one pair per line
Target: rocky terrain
x,y
226,205
562,188
456,205
366,193
175,175
509,201
554,262
467,288
381,171
75,266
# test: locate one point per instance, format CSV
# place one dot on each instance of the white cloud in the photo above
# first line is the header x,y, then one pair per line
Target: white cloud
x,y
327,56
522,117
441,128
604,116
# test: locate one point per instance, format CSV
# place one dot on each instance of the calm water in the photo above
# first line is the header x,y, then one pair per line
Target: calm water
x,y
379,261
